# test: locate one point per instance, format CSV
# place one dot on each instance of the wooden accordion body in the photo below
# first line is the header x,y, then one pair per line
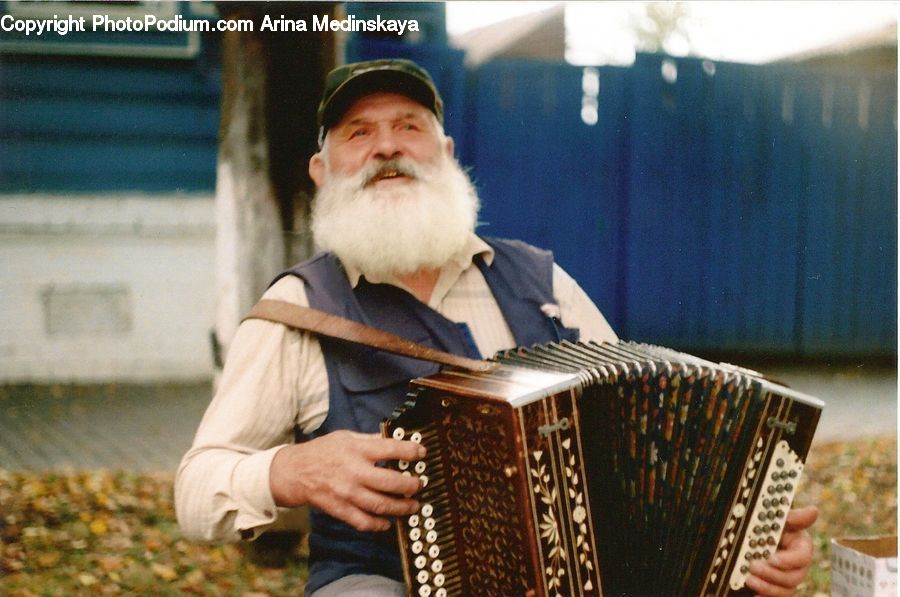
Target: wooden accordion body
x,y
591,469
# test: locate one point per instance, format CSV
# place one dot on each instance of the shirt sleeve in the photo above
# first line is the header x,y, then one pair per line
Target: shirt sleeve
x,y
274,378
577,310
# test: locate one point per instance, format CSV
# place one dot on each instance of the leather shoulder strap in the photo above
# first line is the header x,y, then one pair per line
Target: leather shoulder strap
x,y
333,326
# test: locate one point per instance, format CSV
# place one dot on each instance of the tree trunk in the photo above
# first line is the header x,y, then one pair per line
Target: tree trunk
x,y
262,186
249,245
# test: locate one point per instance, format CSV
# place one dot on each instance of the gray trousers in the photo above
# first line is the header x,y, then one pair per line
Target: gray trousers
x,y
362,585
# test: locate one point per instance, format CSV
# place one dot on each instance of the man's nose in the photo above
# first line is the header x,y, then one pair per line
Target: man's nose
x,y
386,145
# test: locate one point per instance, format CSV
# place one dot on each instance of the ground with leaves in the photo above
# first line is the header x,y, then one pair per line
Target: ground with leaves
x,y
113,533
854,484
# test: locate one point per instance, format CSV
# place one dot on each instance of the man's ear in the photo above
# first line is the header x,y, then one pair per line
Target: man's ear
x,y
448,145
317,169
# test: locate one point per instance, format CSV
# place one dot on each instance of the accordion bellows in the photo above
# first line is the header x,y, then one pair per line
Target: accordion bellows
x,y
598,469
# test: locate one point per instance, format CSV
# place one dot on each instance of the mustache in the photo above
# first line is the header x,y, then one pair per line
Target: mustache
x,y
392,168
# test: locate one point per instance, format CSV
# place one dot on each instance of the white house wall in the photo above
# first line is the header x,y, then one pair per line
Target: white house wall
x,y
106,288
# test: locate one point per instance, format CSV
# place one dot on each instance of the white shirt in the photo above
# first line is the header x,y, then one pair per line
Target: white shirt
x,y
275,378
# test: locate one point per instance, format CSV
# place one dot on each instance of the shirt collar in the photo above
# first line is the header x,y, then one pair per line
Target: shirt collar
x,y
474,246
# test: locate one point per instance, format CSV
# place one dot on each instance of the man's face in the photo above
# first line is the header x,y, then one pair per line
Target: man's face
x,y
391,199
377,128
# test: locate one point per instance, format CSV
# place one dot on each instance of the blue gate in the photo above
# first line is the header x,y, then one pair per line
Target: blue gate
x,y
712,207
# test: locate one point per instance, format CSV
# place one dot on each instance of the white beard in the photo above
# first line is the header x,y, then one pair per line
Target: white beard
x,y
399,229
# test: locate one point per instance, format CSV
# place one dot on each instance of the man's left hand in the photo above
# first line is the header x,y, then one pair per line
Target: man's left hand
x,y
780,575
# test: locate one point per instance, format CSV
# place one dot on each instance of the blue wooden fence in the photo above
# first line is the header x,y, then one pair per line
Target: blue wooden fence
x,y
724,208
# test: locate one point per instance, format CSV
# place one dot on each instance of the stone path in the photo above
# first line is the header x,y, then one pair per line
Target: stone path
x,y
144,428
859,402
139,428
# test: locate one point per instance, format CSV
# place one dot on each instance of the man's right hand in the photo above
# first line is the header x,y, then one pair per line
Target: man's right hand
x,y
336,473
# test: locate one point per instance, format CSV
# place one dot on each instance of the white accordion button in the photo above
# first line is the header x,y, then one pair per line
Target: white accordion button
x,y
438,580
420,467
440,593
402,465
414,520
415,534
437,566
423,480
427,510
417,547
434,551
416,437
429,524
431,536
424,591
421,561
399,433
422,577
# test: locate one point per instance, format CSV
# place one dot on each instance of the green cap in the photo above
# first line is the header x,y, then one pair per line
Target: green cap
x,y
347,83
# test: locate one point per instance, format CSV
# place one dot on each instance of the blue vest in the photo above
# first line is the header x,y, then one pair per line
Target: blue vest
x,y
366,385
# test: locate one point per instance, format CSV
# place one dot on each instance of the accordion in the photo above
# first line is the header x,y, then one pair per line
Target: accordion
x,y
595,468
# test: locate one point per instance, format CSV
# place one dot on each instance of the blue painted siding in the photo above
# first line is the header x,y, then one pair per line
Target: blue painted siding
x,y
103,124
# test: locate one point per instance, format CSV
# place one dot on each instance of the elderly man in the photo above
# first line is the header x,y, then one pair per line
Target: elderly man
x,y
395,216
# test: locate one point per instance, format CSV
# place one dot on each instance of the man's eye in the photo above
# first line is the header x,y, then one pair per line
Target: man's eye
x,y
410,127
358,133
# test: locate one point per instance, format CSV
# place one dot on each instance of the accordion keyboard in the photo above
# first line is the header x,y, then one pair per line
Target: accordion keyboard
x,y
766,522
427,535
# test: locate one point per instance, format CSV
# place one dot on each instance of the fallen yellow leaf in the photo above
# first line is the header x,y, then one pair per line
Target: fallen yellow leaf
x,y
195,577
98,526
163,571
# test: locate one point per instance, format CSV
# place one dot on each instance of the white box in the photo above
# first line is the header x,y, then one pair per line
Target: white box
x,y
864,566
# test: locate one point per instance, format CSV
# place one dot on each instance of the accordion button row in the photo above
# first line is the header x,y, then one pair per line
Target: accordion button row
x,y
765,525
400,433
423,577
436,565
429,574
